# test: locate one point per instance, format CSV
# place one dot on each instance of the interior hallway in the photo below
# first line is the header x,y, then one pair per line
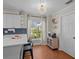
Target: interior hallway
x,y
44,52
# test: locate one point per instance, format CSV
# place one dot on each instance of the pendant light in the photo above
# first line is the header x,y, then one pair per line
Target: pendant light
x,y
42,7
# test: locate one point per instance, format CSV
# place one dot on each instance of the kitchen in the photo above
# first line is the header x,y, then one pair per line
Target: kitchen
x,y
23,26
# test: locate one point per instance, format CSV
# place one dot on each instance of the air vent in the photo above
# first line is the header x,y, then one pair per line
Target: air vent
x,y
68,2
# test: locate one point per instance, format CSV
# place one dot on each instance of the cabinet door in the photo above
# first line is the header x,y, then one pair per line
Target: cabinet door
x,y
4,21
9,20
16,21
23,21
54,43
13,52
13,21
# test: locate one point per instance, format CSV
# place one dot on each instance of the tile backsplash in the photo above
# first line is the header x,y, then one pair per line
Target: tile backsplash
x,y
9,31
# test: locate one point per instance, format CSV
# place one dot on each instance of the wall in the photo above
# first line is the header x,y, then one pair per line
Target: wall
x,y
10,11
58,15
49,24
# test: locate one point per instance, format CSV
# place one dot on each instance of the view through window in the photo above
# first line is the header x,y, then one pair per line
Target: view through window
x,y
36,29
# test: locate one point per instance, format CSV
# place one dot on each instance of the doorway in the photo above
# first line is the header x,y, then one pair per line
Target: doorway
x,y
36,30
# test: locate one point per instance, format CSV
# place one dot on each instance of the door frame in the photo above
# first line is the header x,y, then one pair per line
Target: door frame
x,y
42,43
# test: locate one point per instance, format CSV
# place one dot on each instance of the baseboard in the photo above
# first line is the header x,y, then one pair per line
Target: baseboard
x,y
67,54
40,45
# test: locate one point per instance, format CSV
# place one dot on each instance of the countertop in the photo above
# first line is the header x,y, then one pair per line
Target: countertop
x,y
11,40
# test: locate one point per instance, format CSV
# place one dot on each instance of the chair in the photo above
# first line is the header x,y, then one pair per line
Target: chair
x,y
28,47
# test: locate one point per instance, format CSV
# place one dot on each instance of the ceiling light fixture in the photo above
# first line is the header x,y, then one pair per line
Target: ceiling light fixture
x,y
42,7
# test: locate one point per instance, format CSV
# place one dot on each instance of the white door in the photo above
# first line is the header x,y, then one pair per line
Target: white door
x,y
68,34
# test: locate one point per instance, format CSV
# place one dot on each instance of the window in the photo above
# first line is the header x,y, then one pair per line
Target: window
x,y
36,29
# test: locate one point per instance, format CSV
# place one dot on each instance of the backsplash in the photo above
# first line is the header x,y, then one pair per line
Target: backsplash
x,y
9,31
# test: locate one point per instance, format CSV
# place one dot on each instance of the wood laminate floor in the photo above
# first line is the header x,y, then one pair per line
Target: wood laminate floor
x,y
44,52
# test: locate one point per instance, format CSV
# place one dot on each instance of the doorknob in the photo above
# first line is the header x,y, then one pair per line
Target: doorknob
x,y
73,37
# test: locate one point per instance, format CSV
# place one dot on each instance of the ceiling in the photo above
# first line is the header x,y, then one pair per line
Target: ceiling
x,y
31,6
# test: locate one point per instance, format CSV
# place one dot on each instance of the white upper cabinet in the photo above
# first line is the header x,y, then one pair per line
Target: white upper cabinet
x,y
9,21
23,21
14,21
4,21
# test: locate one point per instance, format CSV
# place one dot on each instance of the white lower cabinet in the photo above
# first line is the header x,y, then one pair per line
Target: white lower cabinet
x,y
13,52
53,43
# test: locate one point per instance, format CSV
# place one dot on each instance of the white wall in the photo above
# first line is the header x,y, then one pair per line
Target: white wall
x,y
49,24
6,11
58,15
65,10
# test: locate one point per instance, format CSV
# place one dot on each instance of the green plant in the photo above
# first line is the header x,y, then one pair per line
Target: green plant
x,y
36,33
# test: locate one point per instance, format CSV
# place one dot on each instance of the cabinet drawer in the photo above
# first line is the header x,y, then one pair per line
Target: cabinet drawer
x,y
54,43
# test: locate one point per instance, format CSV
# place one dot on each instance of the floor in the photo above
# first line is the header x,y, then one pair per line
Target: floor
x,y
44,52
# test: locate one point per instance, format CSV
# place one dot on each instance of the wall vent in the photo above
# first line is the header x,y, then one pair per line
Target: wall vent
x,y
68,2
